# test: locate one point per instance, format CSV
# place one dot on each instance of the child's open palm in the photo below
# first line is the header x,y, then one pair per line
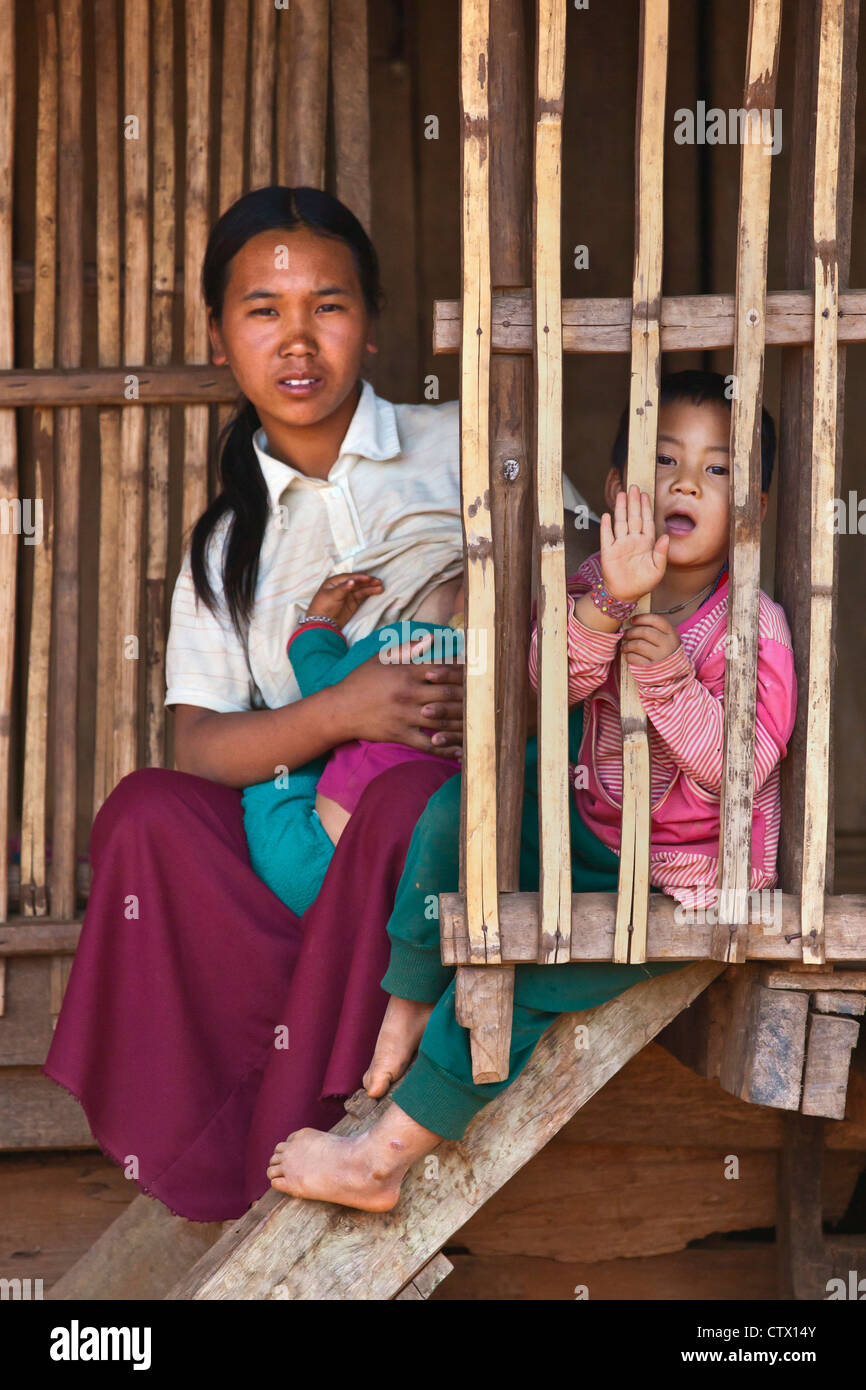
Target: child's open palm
x,y
633,562
341,596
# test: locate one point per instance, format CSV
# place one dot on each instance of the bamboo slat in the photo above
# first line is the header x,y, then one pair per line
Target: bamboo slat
x,y
554,928
741,663
302,115
350,78
64,655
631,919
33,892
196,348
8,440
136,306
159,432
262,75
109,352
824,401
233,122
480,688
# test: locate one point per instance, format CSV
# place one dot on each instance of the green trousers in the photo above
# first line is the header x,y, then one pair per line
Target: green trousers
x,y
438,1092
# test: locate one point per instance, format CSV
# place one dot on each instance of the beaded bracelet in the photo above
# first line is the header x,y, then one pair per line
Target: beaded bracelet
x,y
317,618
613,607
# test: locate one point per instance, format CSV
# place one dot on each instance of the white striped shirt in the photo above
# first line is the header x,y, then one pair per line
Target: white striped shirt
x,y
390,506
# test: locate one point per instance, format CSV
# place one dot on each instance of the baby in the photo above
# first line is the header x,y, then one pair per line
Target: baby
x,y
292,822
678,553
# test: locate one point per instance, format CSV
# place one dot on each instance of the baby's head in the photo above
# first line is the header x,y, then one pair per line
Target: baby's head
x,y
693,466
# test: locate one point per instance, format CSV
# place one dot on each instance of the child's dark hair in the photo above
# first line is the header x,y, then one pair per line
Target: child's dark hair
x,y
243,491
697,387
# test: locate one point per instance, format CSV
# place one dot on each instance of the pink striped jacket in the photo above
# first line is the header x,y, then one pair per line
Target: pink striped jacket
x,y
683,699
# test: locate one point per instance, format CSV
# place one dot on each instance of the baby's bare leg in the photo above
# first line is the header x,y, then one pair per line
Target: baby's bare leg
x,y
399,1036
361,1170
333,817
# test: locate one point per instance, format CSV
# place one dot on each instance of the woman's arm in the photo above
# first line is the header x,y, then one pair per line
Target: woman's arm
x,y
377,701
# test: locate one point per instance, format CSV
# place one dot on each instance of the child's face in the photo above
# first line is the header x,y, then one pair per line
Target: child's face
x,y
277,321
692,477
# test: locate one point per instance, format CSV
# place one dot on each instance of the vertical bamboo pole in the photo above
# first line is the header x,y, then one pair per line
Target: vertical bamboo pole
x,y
824,401
159,432
351,89
750,311
263,70
64,659
480,752
34,898
196,349
8,438
109,353
633,896
302,115
554,904
233,115
136,102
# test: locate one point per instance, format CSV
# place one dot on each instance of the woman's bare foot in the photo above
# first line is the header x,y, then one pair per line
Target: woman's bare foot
x,y
399,1036
360,1170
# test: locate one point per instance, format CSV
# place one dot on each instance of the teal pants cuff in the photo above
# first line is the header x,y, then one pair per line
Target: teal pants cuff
x,y
416,973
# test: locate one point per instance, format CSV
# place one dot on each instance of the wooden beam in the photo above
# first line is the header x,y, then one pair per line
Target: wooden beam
x,y
292,1249
632,899
671,934
741,659
829,1046
687,322
554,914
764,1043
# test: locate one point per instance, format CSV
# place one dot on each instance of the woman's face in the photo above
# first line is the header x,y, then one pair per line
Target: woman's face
x,y
294,325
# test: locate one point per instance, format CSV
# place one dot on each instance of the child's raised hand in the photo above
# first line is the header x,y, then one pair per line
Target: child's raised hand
x,y
341,596
633,562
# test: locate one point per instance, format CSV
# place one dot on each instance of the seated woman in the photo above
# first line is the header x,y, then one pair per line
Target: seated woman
x,y
677,655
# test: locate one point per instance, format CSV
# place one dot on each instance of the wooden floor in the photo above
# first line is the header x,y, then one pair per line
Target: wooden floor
x,y
632,1200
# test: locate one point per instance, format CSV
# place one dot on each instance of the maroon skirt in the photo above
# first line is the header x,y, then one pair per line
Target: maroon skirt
x,y
203,1021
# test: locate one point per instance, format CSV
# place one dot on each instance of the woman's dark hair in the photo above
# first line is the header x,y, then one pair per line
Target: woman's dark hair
x,y
243,492
697,387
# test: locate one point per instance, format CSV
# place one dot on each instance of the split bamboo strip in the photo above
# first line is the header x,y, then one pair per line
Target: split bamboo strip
x,y
109,351
262,75
159,432
824,402
554,926
33,890
285,41
195,338
302,133
480,686
64,636
136,102
233,117
762,63
350,76
631,917
8,439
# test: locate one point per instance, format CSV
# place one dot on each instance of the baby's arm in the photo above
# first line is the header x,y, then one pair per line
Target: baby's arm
x,y
318,651
689,713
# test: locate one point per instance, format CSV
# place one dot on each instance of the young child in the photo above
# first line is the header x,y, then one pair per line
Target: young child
x,y
293,821
677,655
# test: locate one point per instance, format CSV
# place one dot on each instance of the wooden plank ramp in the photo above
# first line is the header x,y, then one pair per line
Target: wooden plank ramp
x,y
287,1248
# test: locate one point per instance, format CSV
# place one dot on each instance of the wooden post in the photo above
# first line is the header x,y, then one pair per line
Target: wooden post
x,y
632,905
262,75
741,663
33,892
64,658
350,80
109,352
195,339
136,160
8,441
303,86
554,903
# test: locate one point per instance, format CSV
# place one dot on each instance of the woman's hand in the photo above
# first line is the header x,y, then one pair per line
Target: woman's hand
x,y
633,562
649,637
341,596
393,701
